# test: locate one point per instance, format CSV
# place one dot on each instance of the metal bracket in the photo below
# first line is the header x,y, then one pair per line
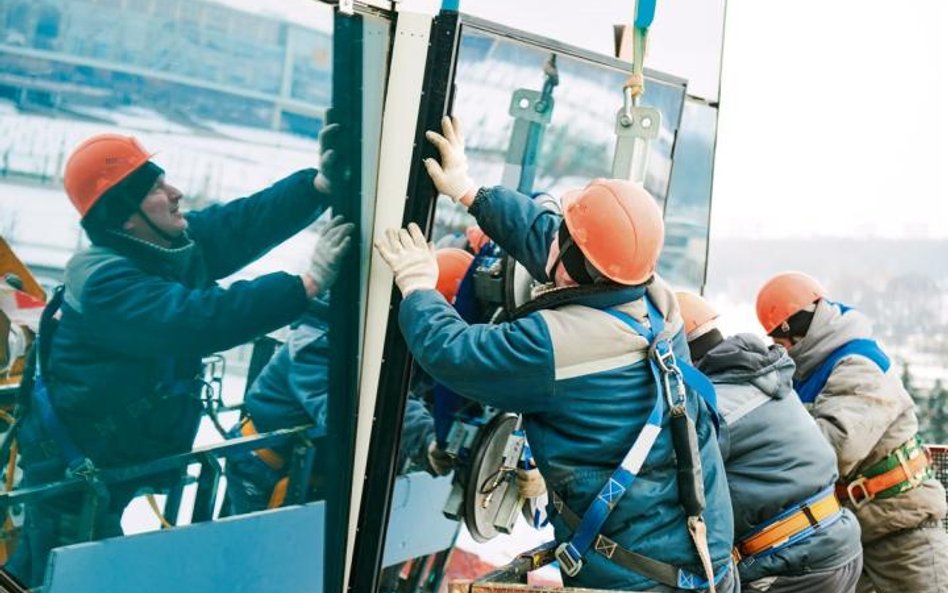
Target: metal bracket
x,y
635,128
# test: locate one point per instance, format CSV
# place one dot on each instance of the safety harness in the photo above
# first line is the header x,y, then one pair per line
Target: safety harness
x,y
900,471
904,468
271,459
671,379
77,464
789,527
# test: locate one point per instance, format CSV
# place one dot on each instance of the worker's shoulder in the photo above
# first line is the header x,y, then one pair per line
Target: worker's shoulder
x,y
85,264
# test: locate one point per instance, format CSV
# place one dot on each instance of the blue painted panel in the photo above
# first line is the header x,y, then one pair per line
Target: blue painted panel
x,y
279,550
416,525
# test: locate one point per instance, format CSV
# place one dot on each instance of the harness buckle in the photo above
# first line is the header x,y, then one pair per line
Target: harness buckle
x,y
568,557
84,469
913,479
859,485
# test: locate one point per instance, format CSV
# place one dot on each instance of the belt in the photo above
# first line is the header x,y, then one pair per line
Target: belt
x,y
902,470
661,572
791,526
273,459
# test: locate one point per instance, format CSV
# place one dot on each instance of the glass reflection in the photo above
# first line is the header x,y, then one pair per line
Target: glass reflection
x,y
577,144
228,104
543,123
688,209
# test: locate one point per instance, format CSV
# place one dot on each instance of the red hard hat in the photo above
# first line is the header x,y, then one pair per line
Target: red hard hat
x,y
452,266
695,311
99,164
476,238
618,226
785,295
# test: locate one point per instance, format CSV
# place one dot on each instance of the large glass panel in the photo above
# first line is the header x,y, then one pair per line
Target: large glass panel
x,y
228,103
688,209
685,38
579,140
506,89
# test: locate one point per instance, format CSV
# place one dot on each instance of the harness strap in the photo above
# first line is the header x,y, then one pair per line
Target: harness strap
x,y
570,554
656,570
791,526
274,460
902,470
670,385
76,462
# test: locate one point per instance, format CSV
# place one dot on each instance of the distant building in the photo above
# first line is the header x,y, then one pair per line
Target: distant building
x,y
223,63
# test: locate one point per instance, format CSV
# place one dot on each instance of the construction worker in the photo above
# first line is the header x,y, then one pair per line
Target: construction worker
x,y
291,391
583,369
140,309
790,532
861,407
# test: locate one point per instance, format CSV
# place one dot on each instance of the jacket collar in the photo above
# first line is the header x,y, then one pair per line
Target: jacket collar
x,y
833,325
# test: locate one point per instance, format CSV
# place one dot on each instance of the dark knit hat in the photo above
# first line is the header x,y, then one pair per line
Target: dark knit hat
x,y
123,199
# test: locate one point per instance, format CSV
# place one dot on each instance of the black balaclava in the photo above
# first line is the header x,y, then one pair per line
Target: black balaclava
x,y
704,343
572,258
795,327
121,201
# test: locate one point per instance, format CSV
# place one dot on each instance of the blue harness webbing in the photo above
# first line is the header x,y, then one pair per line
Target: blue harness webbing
x,y
73,458
809,388
665,370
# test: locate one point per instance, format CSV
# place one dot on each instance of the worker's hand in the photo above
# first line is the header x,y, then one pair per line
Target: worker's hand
x,y
530,483
328,253
328,158
410,257
439,462
450,176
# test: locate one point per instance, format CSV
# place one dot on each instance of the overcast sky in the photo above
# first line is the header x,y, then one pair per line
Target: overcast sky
x,y
834,115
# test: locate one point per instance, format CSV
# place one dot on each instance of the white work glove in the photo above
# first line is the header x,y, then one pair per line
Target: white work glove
x,y
450,176
328,138
329,251
530,483
410,257
439,461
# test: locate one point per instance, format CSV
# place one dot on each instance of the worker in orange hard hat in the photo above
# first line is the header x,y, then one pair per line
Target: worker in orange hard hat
x,y
587,364
779,467
292,390
864,411
140,309
452,266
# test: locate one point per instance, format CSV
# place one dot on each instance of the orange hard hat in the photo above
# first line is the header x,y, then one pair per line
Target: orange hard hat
x,y
785,295
452,266
99,164
695,311
618,226
476,238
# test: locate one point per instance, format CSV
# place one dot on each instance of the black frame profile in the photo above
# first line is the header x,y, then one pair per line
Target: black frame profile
x,y
345,309
396,360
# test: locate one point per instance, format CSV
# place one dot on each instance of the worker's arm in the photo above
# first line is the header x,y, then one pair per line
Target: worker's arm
x,y
855,408
140,314
239,232
507,365
519,225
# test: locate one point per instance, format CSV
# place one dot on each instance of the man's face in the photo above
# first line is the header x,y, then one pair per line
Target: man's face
x,y
162,207
785,342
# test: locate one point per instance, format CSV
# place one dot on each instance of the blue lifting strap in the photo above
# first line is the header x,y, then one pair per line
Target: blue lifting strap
x,y
809,388
644,13
570,554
